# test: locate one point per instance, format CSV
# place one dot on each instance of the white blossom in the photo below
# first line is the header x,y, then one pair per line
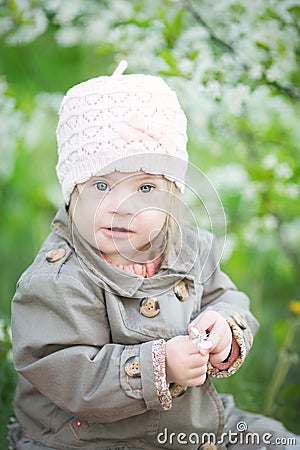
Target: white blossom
x,y
6,24
283,171
96,30
290,232
250,234
230,177
68,36
46,106
34,23
214,88
66,11
269,162
291,191
269,222
256,71
235,97
186,66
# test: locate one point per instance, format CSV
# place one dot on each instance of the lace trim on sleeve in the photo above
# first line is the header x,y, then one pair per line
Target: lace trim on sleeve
x,y
159,370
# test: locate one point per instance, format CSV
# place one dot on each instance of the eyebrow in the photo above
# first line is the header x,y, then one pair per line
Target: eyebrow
x,y
149,175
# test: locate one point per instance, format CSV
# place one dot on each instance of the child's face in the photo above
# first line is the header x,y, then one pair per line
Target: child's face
x,y
121,213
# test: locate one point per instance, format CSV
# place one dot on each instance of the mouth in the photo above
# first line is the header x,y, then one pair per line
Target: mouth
x,y
117,232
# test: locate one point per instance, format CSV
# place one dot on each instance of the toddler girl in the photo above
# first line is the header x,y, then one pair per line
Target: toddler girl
x,y
124,314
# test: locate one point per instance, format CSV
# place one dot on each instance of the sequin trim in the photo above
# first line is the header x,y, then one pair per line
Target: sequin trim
x,y
159,370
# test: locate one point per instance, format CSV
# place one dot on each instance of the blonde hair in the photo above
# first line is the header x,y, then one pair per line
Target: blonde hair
x,y
172,225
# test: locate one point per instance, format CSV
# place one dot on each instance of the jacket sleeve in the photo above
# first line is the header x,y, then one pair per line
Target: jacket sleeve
x,y
62,346
221,295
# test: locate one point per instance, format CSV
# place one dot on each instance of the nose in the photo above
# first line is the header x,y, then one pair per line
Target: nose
x,y
121,202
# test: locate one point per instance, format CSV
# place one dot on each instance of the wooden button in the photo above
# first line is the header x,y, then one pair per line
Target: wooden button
x,y
149,307
208,446
132,367
177,390
181,291
55,254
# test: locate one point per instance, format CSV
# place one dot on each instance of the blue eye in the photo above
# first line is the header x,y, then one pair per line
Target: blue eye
x,y
101,186
145,188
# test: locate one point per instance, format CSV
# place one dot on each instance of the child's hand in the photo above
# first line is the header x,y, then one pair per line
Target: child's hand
x,y
184,364
219,334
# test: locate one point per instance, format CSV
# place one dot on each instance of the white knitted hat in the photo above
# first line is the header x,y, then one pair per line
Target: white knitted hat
x,y
121,122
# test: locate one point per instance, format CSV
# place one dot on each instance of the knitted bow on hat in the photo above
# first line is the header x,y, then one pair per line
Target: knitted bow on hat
x,y
137,126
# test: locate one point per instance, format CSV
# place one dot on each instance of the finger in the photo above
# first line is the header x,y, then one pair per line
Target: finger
x,y
216,338
216,358
197,381
198,371
205,318
198,360
204,352
184,345
194,375
204,321
196,350
221,340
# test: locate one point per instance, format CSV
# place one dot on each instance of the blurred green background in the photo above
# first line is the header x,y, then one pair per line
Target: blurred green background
x,y
236,69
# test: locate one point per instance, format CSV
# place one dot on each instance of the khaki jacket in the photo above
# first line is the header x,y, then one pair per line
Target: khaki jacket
x,y
78,321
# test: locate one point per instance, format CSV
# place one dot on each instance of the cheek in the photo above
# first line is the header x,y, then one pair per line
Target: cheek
x,y
84,218
151,220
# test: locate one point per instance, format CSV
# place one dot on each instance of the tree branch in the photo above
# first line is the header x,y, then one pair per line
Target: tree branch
x,y
286,90
214,38
293,94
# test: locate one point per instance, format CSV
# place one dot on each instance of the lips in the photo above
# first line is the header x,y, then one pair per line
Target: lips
x,y
116,232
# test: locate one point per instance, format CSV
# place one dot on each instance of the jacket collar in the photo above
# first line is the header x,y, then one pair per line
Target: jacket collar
x,y
178,264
